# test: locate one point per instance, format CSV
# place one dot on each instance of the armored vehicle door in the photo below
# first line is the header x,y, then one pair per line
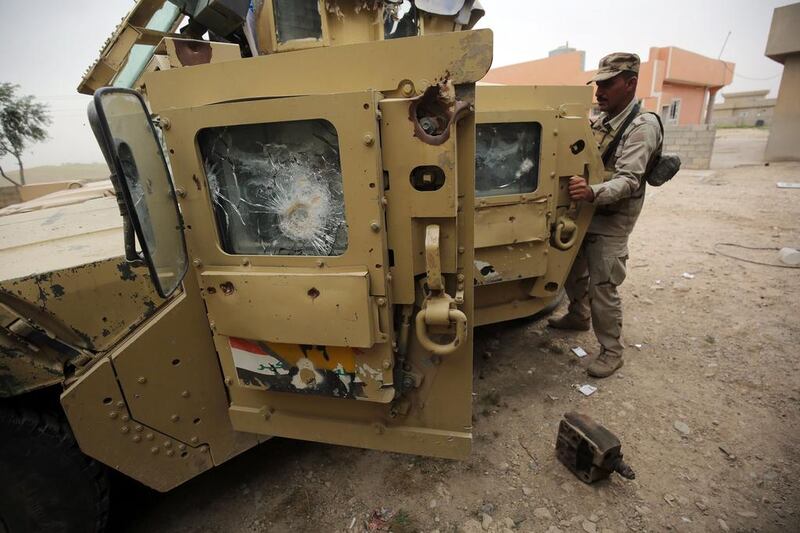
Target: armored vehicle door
x,y
329,240
529,141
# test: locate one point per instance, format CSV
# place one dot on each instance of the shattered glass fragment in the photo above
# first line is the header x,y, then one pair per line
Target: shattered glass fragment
x,y
277,188
507,158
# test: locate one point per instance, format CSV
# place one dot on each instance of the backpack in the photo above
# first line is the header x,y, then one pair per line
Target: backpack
x,y
662,167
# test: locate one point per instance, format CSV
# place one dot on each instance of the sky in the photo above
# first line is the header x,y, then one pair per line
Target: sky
x,y
46,46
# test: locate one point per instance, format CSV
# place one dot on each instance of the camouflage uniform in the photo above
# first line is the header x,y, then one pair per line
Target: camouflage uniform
x,y
600,265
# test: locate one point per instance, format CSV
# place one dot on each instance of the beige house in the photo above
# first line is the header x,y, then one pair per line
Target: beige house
x,y
745,109
783,46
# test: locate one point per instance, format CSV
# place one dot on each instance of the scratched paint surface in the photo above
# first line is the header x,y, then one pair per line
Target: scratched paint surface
x,y
299,368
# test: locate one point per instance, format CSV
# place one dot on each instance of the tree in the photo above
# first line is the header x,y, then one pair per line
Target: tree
x,y
23,121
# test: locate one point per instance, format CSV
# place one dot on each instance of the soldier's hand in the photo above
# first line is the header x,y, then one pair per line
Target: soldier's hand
x,y
579,190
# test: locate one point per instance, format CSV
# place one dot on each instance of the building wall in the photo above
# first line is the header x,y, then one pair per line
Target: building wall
x,y
694,144
784,134
692,102
784,39
743,117
9,195
668,73
561,69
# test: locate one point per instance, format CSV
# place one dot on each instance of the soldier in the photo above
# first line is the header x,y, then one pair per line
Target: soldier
x,y
600,265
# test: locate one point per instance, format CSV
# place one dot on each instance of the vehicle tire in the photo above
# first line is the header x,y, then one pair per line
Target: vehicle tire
x,y
552,306
47,484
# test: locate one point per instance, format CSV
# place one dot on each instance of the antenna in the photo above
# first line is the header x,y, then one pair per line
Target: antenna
x,y
724,44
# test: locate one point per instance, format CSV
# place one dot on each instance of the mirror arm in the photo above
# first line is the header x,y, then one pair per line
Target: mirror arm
x,y
129,238
131,255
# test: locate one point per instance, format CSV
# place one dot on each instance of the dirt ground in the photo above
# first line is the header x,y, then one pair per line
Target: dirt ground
x,y
715,355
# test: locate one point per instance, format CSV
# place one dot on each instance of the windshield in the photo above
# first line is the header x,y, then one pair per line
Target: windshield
x,y
507,158
162,20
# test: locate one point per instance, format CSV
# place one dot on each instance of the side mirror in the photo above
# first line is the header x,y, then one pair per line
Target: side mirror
x,y
144,177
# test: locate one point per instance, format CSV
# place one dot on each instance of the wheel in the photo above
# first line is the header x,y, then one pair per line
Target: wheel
x,y
47,484
552,306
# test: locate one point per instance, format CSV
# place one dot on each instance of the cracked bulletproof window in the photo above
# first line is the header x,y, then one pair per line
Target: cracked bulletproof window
x,y
276,188
507,158
297,19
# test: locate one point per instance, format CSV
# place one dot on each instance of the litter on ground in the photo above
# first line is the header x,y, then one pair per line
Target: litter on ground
x,y
580,352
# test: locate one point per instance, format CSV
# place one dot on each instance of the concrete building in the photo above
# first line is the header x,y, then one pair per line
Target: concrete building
x,y
745,109
675,83
783,46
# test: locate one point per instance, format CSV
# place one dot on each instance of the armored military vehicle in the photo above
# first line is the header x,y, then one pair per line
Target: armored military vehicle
x,y
308,226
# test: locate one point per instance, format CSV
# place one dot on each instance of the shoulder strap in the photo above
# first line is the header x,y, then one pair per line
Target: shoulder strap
x,y
618,137
655,156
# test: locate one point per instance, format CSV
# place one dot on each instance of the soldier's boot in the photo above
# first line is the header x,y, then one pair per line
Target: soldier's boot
x,y
569,321
605,365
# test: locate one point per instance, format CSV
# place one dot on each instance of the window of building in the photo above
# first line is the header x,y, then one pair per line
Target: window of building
x,y
276,188
674,111
297,19
507,158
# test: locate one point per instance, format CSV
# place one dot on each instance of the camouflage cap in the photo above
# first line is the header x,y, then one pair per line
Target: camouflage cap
x,y
614,64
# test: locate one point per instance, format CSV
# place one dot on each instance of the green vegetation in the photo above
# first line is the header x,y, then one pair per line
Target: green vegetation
x,y
23,121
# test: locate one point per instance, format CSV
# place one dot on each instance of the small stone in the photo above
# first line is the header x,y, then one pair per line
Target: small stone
x,y
527,491
432,504
509,523
589,527
747,514
681,427
723,525
543,513
642,509
486,522
487,508
593,518
504,466
702,506
471,526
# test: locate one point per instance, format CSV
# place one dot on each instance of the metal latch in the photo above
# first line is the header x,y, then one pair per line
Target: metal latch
x,y
566,231
439,308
